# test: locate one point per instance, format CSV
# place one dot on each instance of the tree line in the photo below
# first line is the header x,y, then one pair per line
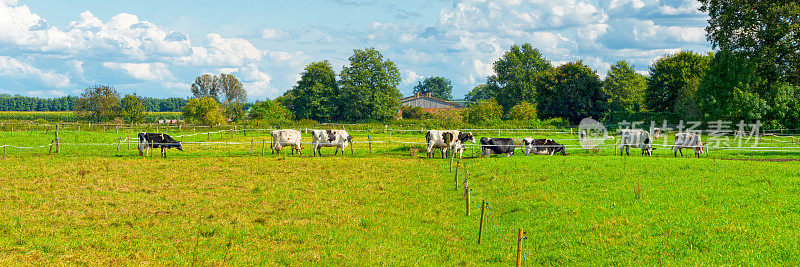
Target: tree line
x,y
67,103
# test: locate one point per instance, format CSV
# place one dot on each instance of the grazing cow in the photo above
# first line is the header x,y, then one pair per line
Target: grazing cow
x,y
157,140
443,140
688,140
542,147
491,146
657,133
286,137
635,138
330,138
458,142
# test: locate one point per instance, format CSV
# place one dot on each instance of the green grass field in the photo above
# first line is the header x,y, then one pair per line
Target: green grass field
x,y
215,203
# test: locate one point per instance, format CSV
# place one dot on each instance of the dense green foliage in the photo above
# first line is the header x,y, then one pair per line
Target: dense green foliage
x,y
316,95
438,87
673,82
625,88
483,112
98,103
411,112
24,103
369,88
572,91
523,111
270,110
205,111
517,74
482,91
765,32
132,109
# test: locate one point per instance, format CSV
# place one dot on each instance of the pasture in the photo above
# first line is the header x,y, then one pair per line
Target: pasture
x,y
216,203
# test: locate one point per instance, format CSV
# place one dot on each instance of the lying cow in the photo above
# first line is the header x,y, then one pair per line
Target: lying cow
x,y
157,140
286,137
330,138
542,147
491,146
635,138
436,139
688,140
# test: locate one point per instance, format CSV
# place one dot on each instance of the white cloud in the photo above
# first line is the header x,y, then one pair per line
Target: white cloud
x,y
411,77
143,71
13,68
271,34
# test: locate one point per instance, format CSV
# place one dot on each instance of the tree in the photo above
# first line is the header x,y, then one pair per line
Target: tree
x,y
203,111
766,32
728,89
483,91
235,96
624,87
572,91
132,109
523,111
483,112
516,76
412,112
206,85
369,88
270,110
232,89
99,103
438,87
673,82
316,95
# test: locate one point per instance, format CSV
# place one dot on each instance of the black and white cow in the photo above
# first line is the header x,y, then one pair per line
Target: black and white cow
x,y
635,138
491,146
436,139
157,140
330,138
542,147
457,141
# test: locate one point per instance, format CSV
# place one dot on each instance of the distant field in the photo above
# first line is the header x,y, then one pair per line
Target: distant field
x,y
214,203
69,116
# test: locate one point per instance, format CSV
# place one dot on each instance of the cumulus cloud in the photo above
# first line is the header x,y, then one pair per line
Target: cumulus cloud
x,y
13,68
143,71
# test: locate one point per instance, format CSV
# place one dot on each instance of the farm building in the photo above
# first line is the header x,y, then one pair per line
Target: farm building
x,y
428,103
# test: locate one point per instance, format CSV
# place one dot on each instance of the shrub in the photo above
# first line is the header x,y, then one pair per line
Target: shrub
x,y
447,118
203,111
484,112
524,111
411,112
270,110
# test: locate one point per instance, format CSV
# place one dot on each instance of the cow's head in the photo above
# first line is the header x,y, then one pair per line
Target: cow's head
x,y
466,138
647,147
349,138
180,146
527,141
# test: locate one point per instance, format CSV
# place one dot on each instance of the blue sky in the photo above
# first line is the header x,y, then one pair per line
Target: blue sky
x,y
156,48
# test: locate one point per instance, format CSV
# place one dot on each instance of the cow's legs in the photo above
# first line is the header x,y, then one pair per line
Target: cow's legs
x,y
337,151
621,149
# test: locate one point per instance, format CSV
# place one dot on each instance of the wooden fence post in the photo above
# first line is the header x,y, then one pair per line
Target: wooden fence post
x,y
385,127
520,235
468,195
480,227
251,147
58,145
116,128
351,148
456,177
263,142
370,143
12,131
4,152
119,144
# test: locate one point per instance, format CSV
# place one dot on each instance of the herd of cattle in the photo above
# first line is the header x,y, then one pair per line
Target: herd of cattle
x,y
448,141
